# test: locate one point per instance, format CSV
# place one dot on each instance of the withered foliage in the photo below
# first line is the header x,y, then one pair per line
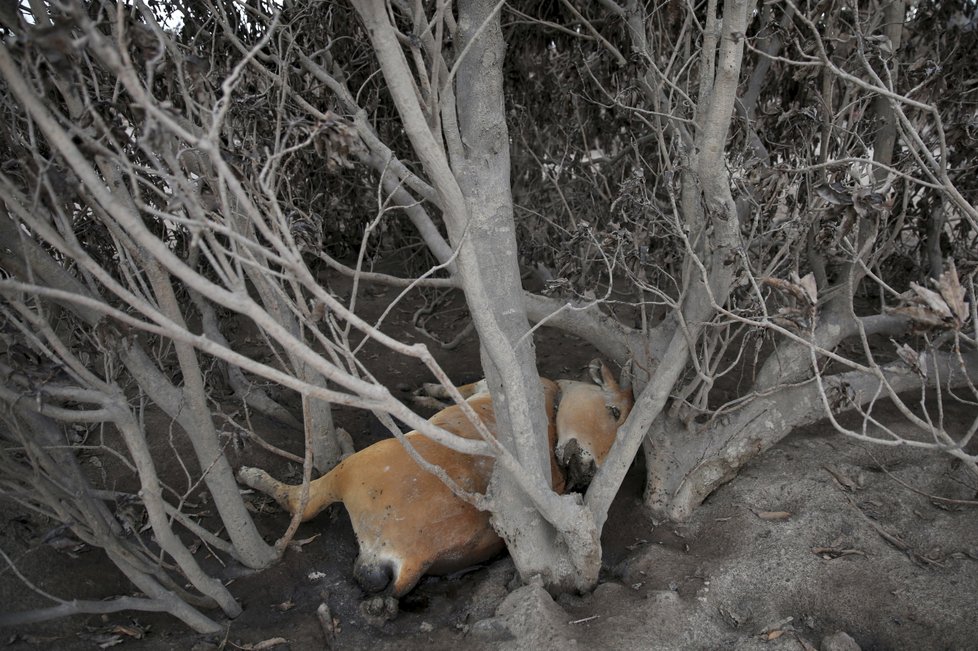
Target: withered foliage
x,y
598,173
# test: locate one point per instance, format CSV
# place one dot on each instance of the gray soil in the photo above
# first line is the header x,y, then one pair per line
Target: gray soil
x,y
822,543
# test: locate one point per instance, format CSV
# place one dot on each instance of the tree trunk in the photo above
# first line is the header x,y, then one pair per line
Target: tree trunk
x,y
685,465
712,227
468,165
689,464
893,16
491,279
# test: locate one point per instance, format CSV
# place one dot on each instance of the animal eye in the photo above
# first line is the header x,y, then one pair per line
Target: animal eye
x,y
615,411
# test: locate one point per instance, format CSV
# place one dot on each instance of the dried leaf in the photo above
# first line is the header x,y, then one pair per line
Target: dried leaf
x,y
808,285
932,300
843,481
911,358
327,621
777,283
835,194
953,293
102,640
804,644
133,630
803,290
297,545
265,644
830,553
773,635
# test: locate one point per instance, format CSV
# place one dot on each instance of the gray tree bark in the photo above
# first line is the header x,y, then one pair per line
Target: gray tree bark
x,y
490,272
555,539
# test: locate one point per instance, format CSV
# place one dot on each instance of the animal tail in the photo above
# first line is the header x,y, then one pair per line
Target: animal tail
x,y
322,491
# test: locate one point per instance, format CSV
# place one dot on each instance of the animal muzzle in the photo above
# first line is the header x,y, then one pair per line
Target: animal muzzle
x,y
373,575
578,464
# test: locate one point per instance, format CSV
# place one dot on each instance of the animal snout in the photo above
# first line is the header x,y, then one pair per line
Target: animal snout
x,y
578,464
373,575
566,450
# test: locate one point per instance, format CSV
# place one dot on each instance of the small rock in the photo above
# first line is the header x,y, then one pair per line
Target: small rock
x,y
663,597
534,619
839,641
608,590
490,592
492,629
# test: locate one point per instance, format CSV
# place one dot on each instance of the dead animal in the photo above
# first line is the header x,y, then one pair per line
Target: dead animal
x,y
408,523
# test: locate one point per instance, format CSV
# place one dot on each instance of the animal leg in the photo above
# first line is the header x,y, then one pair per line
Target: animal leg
x,y
263,482
428,402
436,396
288,497
346,443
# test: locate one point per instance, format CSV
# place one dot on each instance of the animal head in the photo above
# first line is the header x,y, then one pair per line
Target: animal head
x,y
588,419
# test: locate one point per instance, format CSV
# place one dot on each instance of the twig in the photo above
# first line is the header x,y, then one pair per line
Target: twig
x,y
929,496
891,537
79,607
325,617
586,619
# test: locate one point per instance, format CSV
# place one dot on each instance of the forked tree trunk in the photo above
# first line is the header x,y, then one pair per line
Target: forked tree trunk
x,y
686,464
712,224
468,165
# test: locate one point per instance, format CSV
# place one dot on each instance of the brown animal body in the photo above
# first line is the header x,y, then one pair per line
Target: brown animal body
x,y
408,523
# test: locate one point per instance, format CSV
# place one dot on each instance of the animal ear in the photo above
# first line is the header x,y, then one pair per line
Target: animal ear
x,y
598,372
603,377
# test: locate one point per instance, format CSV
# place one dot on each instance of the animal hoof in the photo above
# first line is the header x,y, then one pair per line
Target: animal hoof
x,y
252,477
377,611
